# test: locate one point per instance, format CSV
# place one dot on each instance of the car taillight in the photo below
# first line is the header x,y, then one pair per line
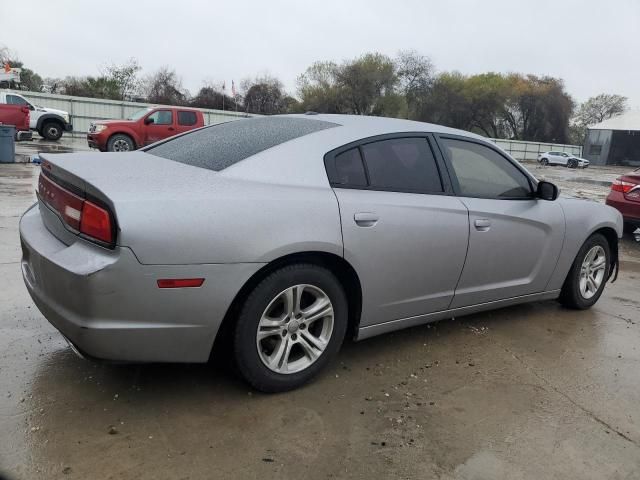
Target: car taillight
x,y
78,213
95,221
622,186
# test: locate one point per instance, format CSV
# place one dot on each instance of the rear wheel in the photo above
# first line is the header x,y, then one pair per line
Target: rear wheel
x,y
290,327
120,143
544,162
588,275
52,130
572,163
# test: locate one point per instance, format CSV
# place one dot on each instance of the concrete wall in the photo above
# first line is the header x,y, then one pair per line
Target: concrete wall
x,y
84,110
529,150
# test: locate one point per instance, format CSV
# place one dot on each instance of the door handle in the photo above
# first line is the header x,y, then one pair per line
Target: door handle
x,y
482,224
366,219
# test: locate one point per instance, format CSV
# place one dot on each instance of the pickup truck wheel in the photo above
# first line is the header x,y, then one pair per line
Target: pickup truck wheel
x,y
52,130
120,143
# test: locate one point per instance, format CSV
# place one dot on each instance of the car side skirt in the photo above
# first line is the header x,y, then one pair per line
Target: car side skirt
x,y
373,330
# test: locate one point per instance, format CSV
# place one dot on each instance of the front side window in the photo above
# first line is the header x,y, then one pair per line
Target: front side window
x,y
187,118
482,172
162,117
402,164
16,100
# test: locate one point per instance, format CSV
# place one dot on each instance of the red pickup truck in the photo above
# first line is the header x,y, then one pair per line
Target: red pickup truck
x,y
144,127
18,116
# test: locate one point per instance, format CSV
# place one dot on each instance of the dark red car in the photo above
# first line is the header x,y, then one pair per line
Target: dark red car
x,y
625,196
144,127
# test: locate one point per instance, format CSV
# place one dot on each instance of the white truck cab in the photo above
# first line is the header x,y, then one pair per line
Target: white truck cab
x,y
50,123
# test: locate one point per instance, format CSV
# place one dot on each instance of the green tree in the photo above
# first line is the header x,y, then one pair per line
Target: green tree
x,y
92,87
319,91
415,77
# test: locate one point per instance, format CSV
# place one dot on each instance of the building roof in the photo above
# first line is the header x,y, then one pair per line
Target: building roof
x,y
626,121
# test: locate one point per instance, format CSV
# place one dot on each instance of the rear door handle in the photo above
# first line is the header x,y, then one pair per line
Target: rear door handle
x,y
482,224
366,219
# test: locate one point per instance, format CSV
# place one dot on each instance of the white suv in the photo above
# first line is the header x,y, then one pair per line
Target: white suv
x,y
48,122
562,158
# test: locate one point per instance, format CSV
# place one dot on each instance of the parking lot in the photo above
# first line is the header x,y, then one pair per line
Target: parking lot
x,y
526,392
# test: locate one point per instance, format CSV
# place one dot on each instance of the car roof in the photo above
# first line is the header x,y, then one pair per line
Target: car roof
x,y
364,126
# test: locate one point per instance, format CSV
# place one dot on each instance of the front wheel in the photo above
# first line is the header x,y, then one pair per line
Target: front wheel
x,y
589,273
572,164
120,143
544,162
290,327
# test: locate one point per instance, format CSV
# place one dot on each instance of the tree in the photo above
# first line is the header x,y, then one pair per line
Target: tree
x,y
365,82
165,87
599,108
446,102
92,87
29,80
210,97
264,95
415,76
319,91
125,77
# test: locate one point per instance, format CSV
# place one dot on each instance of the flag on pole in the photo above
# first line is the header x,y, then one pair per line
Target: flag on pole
x,y
224,86
233,88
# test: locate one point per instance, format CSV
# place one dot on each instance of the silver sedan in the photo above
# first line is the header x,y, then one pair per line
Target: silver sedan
x,y
283,235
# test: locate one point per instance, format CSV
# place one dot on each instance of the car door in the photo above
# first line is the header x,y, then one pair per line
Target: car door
x,y
34,114
186,121
403,230
159,125
515,239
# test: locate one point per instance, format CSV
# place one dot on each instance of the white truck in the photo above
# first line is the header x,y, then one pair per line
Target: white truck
x,y
48,122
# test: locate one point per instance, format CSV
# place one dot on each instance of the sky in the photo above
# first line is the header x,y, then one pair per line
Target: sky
x,y
593,45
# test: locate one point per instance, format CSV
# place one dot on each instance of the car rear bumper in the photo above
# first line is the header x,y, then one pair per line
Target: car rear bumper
x,y
630,210
109,306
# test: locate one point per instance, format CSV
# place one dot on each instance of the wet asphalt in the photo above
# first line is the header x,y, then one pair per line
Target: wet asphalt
x,y
527,392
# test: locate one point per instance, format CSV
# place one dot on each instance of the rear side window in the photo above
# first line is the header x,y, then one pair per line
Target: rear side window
x,y
482,172
349,169
187,118
219,146
402,164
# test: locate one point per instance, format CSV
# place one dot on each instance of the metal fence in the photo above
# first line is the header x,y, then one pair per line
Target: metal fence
x,y
84,110
530,150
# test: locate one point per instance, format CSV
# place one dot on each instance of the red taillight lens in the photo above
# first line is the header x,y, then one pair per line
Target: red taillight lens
x,y
82,215
96,222
622,186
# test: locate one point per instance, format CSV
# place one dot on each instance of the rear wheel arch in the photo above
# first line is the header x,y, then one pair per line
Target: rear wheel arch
x,y
343,271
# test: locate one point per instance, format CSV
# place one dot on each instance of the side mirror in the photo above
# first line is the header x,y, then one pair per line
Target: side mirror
x,y
31,107
547,191
148,120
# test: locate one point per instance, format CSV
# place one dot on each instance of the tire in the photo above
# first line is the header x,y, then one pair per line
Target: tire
x,y
572,164
572,294
267,302
52,130
120,143
544,162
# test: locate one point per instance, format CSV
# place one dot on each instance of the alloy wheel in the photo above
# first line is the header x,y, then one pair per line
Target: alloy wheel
x,y
295,328
592,271
121,146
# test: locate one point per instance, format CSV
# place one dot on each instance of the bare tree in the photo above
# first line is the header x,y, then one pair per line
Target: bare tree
x,y
165,87
600,108
125,76
415,76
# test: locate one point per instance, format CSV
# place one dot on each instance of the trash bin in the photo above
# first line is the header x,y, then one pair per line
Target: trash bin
x,y
7,144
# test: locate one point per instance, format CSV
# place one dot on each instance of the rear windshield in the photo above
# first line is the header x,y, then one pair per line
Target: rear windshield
x,y
220,146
